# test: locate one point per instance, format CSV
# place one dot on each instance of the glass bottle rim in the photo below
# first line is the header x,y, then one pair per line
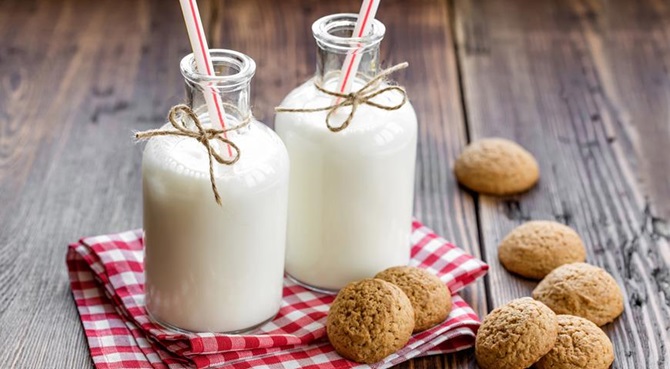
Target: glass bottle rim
x,y
324,27
244,66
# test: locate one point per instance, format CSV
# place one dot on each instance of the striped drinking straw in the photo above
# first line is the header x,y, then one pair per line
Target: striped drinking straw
x,y
353,59
203,61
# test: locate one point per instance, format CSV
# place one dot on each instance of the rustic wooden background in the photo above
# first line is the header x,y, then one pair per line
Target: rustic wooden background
x,y
583,84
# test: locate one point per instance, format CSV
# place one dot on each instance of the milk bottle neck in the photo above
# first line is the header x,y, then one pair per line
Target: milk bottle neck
x,y
232,82
333,34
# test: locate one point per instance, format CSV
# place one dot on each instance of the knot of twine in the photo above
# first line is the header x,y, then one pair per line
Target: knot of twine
x,y
202,135
355,99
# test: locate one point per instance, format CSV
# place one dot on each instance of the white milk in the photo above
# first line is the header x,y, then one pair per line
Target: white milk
x,y
351,192
209,267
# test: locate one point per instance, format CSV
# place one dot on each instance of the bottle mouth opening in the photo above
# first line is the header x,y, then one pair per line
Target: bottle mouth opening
x,y
232,69
335,32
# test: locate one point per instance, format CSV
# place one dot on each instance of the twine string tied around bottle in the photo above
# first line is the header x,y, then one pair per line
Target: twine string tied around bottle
x,y
201,134
363,96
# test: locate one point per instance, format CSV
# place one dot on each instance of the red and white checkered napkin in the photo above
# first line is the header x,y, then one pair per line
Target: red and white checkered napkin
x,y
106,274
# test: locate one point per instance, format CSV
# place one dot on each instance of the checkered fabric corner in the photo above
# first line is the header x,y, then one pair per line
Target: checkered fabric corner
x,y
107,281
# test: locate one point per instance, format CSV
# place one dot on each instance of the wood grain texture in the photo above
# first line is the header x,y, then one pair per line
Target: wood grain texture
x,y
77,78
582,86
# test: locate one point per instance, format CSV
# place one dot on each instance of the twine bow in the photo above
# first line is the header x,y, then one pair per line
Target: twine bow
x,y
202,135
355,99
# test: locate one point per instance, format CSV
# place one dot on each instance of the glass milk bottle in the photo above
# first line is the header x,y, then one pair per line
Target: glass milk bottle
x,y
351,192
210,267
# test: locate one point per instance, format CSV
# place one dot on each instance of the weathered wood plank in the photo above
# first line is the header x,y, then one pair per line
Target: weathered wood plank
x,y
582,86
629,42
89,73
282,37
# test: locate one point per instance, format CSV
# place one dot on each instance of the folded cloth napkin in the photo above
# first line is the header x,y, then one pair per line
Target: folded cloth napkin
x,y
107,280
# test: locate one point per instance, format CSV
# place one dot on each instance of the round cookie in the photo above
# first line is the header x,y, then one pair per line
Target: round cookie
x,y
583,290
429,296
496,166
516,335
535,248
369,320
580,345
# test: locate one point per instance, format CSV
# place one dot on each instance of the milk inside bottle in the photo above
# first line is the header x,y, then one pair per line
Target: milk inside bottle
x,y
351,191
210,267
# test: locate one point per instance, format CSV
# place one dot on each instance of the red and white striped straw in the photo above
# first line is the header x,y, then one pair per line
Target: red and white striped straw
x,y
353,59
203,62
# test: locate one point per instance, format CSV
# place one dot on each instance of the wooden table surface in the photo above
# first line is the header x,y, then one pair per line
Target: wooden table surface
x,y
583,84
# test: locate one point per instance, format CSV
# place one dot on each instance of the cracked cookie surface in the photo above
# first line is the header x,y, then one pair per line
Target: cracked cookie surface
x,y
535,248
496,166
580,345
516,335
429,296
369,320
583,290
